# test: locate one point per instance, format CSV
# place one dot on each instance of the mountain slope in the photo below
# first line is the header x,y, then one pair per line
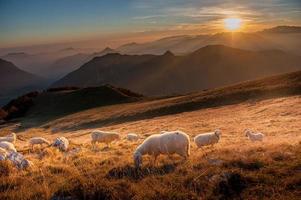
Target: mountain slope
x,y
259,167
253,91
14,81
208,67
56,102
65,65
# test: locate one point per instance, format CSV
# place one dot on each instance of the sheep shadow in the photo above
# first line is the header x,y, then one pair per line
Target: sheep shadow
x,y
134,173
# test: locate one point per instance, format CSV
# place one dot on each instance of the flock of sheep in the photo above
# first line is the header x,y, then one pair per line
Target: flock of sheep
x,y
167,142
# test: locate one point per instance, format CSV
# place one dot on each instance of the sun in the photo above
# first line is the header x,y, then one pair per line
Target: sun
x,y
232,24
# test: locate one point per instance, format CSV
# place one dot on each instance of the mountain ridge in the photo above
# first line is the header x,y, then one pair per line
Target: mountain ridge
x,y
209,67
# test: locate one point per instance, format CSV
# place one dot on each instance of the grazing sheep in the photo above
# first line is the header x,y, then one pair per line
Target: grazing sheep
x,y
8,146
174,142
10,138
38,140
206,139
254,136
61,143
103,137
18,160
132,137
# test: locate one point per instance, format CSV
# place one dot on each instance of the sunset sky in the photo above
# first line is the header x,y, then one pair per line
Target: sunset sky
x,y
30,22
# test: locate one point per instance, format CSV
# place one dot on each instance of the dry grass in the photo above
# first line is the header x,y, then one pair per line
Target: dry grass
x,y
235,168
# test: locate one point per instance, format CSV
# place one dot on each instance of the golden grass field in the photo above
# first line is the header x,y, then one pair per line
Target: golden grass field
x,y
235,168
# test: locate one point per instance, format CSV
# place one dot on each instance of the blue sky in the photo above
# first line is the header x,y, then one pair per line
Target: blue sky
x,y
25,22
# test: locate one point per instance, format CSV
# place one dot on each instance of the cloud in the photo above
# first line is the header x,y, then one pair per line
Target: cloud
x,y
205,11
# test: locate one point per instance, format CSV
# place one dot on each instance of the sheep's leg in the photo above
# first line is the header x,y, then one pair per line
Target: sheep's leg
x,y
93,143
204,152
155,160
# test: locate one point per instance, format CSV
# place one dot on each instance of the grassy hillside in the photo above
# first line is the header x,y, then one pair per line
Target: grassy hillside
x,y
14,81
58,102
234,169
270,87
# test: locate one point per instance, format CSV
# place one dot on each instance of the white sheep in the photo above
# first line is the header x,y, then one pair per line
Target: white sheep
x,y
61,143
8,146
10,138
18,160
103,137
132,137
206,139
254,136
174,142
38,140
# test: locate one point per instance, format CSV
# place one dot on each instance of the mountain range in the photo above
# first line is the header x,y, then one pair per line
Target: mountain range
x,y
55,64
14,81
173,60
208,67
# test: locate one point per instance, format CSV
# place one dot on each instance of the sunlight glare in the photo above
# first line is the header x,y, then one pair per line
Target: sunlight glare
x,y
232,24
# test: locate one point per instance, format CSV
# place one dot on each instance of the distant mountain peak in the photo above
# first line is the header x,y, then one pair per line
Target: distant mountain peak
x,y
17,54
105,51
129,44
168,53
283,29
108,55
68,49
108,49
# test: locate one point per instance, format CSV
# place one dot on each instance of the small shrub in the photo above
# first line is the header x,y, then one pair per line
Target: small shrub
x,y
139,173
231,186
247,165
6,168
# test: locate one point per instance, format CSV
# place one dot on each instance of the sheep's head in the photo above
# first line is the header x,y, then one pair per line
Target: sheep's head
x,y
137,159
218,133
247,132
25,164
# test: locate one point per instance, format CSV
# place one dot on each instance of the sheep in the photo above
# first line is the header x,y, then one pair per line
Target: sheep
x,y
10,138
254,136
103,137
206,139
8,146
132,137
61,143
18,160
174,142
38,140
